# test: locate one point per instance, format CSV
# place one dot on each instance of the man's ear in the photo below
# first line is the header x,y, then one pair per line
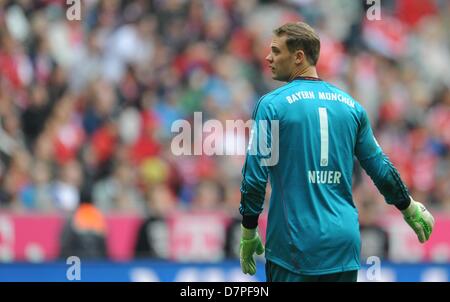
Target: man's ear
x,y
299,56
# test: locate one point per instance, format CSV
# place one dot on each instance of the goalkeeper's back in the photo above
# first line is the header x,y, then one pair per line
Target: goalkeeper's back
x,y
311,212
312,182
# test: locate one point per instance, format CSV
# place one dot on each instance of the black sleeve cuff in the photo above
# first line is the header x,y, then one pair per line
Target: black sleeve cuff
x,y
403,205
250,222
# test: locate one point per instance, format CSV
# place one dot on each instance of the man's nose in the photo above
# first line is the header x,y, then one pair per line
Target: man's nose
x,y
269,58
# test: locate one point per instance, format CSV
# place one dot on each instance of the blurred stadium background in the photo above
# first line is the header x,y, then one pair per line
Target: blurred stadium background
x,y
86,109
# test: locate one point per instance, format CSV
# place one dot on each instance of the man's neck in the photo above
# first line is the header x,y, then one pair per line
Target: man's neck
x,y
308,71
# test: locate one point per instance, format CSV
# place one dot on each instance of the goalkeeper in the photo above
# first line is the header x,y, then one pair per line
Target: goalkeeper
x,y
313,130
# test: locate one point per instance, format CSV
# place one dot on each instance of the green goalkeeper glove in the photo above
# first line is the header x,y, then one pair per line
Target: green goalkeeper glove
x,y
250,243
419,219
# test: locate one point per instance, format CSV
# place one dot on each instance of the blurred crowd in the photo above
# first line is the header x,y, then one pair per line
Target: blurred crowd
x,y
86,107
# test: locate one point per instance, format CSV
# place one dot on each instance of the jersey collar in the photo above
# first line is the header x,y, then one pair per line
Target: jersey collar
x,y
307,78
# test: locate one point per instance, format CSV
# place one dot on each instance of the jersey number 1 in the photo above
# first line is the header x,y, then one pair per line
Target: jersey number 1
x,y
323,119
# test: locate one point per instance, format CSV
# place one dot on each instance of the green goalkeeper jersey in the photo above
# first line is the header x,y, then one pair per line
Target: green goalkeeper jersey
x,y
304,139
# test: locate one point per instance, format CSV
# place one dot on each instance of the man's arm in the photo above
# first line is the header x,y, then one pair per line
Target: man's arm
x,y
254,180
388,181
254,172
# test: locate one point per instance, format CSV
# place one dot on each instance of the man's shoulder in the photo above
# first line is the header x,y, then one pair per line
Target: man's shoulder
x,y
274,94
268,100
279,91
343,92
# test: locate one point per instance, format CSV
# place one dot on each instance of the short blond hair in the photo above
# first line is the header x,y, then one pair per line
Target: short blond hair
x,y
301,36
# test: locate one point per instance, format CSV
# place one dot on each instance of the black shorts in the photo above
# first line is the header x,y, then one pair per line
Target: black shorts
x,y
276,273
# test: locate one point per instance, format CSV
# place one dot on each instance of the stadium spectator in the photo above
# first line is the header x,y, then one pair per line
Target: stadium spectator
x,y
374,238
152,239
84,233
118,192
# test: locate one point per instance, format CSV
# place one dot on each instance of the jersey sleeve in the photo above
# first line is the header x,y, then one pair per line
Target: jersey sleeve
x,y
255,171
378,166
